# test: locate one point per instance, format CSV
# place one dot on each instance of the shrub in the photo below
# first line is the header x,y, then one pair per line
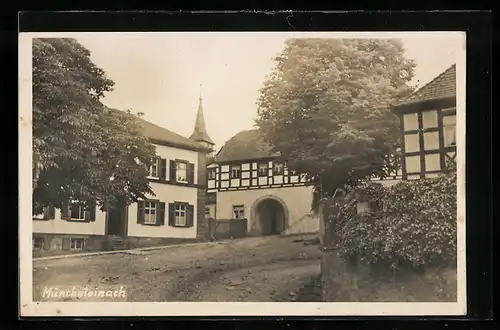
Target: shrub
x,y
412,223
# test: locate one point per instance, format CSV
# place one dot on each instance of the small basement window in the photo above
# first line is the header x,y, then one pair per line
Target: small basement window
x,y
77,244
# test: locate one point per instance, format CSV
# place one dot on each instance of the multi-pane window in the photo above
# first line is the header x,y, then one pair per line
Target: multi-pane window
x,y
76,244
263,169
180,214
149,213
153,169
181,171
235,171
277,169
211,173
238,212
76,211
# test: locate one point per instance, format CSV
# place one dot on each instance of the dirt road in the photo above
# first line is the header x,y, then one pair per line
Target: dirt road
x,y
258,269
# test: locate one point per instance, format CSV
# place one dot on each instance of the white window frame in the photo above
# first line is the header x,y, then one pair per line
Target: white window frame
x,y
81,211
154,171
74,246
263,167
178,169
180,215
238,212
235,172
279,165
150,209
211,173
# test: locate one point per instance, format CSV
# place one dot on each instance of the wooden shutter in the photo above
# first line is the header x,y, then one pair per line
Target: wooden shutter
x,y
172,171
189,215
160,213
163,169
90,213
140,212
171,214
51,212
65,211
190,173
66,243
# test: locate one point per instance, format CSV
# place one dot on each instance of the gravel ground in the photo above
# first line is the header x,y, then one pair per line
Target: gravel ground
x,y
257,269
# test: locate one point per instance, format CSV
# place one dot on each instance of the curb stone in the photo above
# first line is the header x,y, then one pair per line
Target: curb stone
x,y
139,251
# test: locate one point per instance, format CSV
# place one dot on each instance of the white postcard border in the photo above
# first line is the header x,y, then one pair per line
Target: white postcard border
x,y
29,308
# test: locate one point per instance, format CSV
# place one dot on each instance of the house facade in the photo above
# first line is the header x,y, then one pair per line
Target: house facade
x,y
246,180
177,178
428,127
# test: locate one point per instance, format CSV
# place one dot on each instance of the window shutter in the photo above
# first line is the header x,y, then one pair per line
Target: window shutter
x,y
160,214
90,213
172,171
65,243
190,173
140,212
171,214
163,169
189,215
65,211
51,212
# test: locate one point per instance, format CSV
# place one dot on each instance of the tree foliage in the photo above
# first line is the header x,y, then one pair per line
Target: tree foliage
x,y
325,107
81,149
413,223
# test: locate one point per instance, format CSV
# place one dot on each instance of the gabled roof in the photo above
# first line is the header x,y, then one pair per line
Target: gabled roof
x,y
441,87
159,134
245,145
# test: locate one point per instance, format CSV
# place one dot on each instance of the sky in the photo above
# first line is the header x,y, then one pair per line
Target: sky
x,y
159,74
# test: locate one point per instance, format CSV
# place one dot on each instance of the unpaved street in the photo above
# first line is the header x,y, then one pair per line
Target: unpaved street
x,y
269,268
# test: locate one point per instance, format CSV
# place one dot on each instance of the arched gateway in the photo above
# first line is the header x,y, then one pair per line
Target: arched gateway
x,y
269,216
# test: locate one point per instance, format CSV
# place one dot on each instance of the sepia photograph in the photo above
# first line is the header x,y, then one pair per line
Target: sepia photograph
x,y
242,173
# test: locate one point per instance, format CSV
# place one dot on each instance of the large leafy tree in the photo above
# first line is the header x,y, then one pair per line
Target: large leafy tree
x,y
325,107
82,150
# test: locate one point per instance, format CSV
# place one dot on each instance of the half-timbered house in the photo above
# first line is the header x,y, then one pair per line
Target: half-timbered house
x,y
246,180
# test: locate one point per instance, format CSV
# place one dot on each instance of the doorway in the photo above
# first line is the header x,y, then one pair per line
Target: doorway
x,y
270,216
117,221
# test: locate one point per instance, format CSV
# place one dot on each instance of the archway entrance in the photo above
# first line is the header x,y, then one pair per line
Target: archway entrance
x,y
270,217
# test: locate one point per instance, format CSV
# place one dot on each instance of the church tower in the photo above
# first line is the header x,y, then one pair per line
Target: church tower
x,y
200,134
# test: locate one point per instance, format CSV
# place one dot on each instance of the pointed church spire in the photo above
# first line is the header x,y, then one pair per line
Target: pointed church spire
x,y
200,131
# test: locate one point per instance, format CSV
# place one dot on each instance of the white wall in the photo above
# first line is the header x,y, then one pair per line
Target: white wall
x,y
170,153
58,226
297,199
168,194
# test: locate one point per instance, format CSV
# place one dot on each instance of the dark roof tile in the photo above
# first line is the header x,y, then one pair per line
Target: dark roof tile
x,y
443,86
245,145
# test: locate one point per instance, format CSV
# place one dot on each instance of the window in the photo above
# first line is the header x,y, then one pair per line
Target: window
x,y
181,172
76,211
278,169
180,215
153,169
37,243
211,173
238,211
235,171
263,169
449,130
149,213
76,244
